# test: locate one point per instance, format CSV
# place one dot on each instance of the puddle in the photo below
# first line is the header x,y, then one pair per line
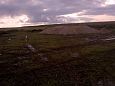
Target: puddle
x,y
109,39
30,47
100,83
9,39
43,58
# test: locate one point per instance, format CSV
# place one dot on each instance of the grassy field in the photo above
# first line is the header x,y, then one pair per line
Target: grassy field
x,y
72,60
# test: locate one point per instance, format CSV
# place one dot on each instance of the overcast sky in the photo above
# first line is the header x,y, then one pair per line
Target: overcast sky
x,y
15,13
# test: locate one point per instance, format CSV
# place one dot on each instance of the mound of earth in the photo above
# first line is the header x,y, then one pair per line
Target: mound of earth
x,y
104,30
65,30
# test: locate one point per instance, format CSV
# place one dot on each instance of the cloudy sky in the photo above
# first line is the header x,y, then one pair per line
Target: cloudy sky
x,y
15,13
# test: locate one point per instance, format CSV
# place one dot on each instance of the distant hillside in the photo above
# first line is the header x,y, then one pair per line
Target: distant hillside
x,y
74,29
98,25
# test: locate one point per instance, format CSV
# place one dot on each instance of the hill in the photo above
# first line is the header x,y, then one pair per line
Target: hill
x,y
74,29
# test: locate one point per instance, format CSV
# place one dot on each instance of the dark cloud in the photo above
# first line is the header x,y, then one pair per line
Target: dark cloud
x,y
49,10
108,10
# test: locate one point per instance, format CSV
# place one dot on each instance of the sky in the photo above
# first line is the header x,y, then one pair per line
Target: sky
x,y
17,13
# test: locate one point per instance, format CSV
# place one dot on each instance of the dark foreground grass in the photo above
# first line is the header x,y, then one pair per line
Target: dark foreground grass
x,y
72,60
88,71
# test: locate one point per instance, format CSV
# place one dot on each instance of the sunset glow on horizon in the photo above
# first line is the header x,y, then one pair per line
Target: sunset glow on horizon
x,y
36,12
